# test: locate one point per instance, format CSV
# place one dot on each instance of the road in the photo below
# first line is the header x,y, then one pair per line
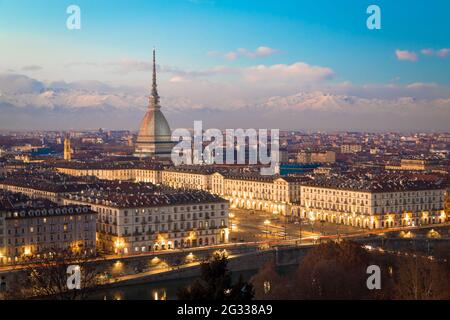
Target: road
x,y
249,225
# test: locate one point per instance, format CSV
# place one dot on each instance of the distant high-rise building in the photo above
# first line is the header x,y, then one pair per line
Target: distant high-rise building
x,y
67,149
154,139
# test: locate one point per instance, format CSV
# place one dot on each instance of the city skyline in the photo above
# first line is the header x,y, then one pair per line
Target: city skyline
x,y
318,67
228,151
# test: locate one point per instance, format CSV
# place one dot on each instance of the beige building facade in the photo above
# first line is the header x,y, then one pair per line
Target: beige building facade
x,y
148,228
30,232
275,194
373,210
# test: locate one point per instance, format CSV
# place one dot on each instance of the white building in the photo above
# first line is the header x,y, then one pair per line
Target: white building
x,y
373,204
136,218
29,232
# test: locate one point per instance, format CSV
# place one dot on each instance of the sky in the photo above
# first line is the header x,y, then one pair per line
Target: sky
x,y
310,65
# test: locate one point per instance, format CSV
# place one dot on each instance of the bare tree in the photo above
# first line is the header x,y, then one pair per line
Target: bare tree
x,y
268,284
328,271
46,277
419,278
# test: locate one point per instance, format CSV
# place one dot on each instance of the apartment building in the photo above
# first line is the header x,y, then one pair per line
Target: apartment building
x,y
42,227
268,193
124,171
141,217
388,201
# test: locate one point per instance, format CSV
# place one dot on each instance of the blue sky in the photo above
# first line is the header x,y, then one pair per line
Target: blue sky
x,y
215,40
326,33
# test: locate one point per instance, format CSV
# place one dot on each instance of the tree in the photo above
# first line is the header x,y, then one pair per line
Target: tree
x,y
333,271
442,253
268,283
46,276
328,271
419,278
215,283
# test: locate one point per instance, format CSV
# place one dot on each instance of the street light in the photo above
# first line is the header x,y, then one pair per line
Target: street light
x,y
337,232
312,219
285,228
267,223
322,222
300,231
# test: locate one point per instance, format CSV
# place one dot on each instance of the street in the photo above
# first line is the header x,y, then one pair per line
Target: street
x,y
251,225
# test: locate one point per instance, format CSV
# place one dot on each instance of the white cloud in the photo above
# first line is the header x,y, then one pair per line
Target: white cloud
x,y
443,52
304,110
19,84
440,53
406,55
262,51
231,56
31,68
427,52
130,65
176,79
262,95
421,85
297,72
259,52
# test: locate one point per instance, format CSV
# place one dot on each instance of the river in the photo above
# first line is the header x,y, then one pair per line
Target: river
x,y
161,289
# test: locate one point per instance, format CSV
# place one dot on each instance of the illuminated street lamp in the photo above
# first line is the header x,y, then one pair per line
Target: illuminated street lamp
x,y
119,244
190,257
300,230
27,251
267,223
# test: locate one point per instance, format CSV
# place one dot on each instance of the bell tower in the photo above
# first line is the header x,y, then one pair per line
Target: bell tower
x,y
67,149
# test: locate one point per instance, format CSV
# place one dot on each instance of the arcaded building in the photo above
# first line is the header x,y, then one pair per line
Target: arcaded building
x,y
141,217
367,202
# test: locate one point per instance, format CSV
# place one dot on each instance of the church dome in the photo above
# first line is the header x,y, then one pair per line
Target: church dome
x,y
154,124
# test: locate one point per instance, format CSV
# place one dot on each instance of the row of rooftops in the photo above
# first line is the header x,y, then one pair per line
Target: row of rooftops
x,y
362,180
114,165
228,173
15,205
15,200
145,165
141,198
47,212
40,183
268,178
380,183
117,193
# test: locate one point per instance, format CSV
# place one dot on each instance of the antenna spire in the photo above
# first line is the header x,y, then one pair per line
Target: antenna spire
x,y
154,86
